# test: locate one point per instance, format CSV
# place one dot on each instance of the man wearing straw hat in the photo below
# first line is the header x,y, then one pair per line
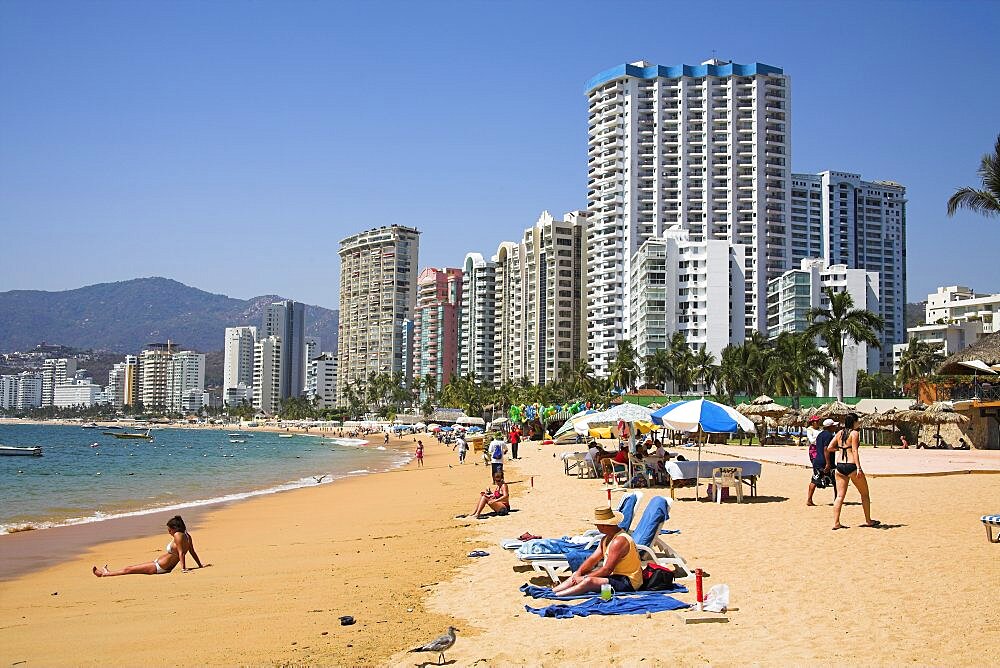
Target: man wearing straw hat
x,y
615,562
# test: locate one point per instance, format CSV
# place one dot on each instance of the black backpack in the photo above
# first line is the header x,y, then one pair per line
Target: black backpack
x,y
657,578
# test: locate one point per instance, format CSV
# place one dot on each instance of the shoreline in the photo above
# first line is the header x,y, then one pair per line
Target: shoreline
x,y
284,567
29,550
209,498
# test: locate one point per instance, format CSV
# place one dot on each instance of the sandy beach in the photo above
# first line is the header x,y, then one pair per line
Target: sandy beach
x,y
386,549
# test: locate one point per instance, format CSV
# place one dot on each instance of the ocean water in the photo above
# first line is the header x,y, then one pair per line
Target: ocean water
x,y
85,476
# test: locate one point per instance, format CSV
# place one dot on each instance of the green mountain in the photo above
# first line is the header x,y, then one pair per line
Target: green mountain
x,y
123,317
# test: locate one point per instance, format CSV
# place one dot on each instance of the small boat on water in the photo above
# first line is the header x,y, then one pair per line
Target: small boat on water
x,y
114,426
146,437
28,451
237,440
92,425
285,435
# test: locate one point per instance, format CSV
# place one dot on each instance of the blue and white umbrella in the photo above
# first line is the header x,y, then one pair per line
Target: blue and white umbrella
x,y
702,415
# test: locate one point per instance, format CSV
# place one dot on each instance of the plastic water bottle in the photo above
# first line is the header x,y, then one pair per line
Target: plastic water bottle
x,y
606,592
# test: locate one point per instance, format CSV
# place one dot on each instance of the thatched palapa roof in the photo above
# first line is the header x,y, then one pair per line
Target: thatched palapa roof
x,y
986,349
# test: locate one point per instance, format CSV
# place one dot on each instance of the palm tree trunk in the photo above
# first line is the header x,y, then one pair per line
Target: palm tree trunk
x,y
840,379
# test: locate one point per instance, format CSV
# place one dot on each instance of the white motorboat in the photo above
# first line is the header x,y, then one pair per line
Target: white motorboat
x,y
237,440
30,451
286,435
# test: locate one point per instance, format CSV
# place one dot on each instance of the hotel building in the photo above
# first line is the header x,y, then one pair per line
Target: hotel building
x,y
435,325
54,372
860,224
21,392
792,295
321,380
476,323
695,287
286,320
378,271
704,149
267,375
154,366
186,381
237,366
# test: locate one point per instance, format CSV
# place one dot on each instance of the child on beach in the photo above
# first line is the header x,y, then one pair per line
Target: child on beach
x,y
180,545
420,453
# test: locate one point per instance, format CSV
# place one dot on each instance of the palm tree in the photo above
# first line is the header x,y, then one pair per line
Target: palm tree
x,y
657,368
987,200
624,369
703,368
839,323
680,367
918,360
796,364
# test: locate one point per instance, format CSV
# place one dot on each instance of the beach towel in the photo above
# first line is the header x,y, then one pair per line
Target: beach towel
x,y
636,604
546,592
657,512
627,509
554,546
575,558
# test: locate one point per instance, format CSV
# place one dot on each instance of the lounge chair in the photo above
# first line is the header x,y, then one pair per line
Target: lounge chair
x,y
652,548
992,524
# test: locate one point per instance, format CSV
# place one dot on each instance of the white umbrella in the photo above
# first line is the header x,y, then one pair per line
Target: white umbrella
x,y
471,420
624,412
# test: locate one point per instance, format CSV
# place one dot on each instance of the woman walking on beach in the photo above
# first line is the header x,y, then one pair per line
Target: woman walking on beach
x,y
420,454
848,469
180,545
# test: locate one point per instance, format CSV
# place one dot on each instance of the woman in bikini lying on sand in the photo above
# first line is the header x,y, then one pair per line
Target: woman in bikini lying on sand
x,y
176,550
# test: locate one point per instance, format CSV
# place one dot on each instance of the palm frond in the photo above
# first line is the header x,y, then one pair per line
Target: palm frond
x,y
979,201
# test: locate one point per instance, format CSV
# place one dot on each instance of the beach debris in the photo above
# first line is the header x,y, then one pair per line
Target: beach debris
x,y
439,645
346,620
325,633
55,593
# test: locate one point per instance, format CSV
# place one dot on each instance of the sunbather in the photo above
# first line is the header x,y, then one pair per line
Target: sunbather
x,y
177,549
497,499
615,561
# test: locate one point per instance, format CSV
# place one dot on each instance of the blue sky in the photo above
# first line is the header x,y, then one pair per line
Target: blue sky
x,y
231,145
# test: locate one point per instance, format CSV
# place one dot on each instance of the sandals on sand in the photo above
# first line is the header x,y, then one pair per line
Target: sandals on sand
x,y
479,553
528,536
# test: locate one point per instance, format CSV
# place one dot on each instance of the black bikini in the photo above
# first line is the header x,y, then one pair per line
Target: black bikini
x,y
845,468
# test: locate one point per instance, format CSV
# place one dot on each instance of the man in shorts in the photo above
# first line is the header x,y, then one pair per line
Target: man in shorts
x,y
819,464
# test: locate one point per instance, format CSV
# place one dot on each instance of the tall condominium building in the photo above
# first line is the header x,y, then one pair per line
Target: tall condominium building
x,y
554,316
508,322
237,365
378,290
54,372
286,320
123,383
321,380
312,350
21,392
845,220
185,381
154,368
694,287
792,295
476,325
700,148
435,324
267,375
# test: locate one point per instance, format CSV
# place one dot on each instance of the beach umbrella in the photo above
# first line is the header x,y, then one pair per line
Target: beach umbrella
x,y
470,420
557,416
568,425
705,417
624,412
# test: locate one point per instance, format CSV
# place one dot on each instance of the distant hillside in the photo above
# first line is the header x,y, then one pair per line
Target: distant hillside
x,y
915,312
123,317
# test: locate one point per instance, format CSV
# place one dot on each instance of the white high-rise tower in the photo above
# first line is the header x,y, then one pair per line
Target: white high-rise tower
x,y
698,148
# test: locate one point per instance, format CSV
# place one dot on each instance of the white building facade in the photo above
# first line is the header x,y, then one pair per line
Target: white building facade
x,y
185,381
698,288
237,366
21,392
959,304
792,295
266,376
76,393
54,372
476,328
699,148
322,380
845,220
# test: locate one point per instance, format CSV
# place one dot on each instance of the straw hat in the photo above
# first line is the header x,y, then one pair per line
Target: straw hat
x,y
606,516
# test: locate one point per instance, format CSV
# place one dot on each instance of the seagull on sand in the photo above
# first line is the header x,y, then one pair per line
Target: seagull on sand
x,y
441,644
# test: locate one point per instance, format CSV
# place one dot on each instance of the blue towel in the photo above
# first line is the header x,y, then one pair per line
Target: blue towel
x,y
627,508
546,592
576,557
548,546
657,512
637,604
664,532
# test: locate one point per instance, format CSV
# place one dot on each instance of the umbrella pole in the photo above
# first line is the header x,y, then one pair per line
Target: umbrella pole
x,y
697,478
